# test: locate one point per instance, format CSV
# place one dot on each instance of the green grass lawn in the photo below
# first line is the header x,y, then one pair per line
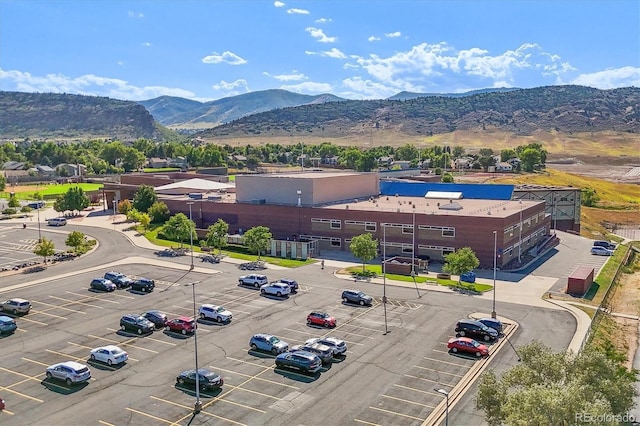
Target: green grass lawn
x,y
52,191
152,236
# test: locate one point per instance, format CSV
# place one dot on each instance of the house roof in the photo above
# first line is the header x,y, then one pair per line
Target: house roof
x,y
196,184
13,165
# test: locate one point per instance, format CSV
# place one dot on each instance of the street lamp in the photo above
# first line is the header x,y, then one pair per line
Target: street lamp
x,y
191,238
384,275
39,232
495,250
197,407
446,394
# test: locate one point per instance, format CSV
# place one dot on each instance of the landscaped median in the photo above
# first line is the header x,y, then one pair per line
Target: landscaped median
x,y
375,271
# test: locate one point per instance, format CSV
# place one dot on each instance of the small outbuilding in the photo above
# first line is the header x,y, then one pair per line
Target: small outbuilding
x,y
580,280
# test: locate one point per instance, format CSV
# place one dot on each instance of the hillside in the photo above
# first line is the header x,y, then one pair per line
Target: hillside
x,y
185,113
566,109
40,115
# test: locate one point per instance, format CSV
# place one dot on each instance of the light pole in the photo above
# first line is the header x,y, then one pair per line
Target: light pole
x,y
191,239
446,394
384,275
413,247
197,407
39,232
495,250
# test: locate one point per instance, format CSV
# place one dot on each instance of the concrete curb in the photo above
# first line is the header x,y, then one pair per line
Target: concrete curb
x,y
583,323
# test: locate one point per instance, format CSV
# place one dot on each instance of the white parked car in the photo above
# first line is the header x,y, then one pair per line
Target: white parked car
x,y
69,372
276,288
109,354
215,313
254,280
338,346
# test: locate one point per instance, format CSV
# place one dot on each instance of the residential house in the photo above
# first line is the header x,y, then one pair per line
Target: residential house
x,y
157,163
503,166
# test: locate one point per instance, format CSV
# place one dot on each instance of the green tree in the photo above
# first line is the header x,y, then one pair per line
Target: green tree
x,y
589,197
508,154
13,200
180,228
124,206
60,205
159,212
144,198
257,239
75,240
350,157
407,152
132,160
3,183
145,221
529,158
366,162
44,248
133,215
75,199
447,178
549,387
364,247
217,235
461,261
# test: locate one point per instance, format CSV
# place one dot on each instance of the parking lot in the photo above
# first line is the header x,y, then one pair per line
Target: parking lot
x,y
385,378
18,244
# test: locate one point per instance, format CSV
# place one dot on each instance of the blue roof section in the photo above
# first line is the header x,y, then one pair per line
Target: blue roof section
x,y
469,190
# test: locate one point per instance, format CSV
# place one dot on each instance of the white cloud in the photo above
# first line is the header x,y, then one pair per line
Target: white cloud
x,y
146,44
132,14
226,57
359,88
373,38
278,4
294,76
393,35
308,87
611,78
297,11
319,35
120,63
323,20
88,84
334,53
232,88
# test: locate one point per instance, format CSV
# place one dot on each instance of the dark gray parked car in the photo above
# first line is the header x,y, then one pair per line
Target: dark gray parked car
x,y
356,296
473,328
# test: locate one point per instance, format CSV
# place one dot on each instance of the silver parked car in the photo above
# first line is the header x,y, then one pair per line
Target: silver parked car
x,y
69,372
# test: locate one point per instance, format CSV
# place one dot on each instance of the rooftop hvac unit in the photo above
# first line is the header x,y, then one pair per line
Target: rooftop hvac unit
x,y
195,196
214,197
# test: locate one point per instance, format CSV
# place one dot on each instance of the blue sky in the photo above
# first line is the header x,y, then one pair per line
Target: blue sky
x,y
206,50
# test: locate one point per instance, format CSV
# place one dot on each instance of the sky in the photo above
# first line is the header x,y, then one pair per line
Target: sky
x,y
210,49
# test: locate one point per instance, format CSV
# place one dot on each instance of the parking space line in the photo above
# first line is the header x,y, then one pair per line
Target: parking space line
x,y
76,302
397,414
256,392
415,390
438,371
160,341
149,415
365,422
102,299
247,362
125,343
408,401
310,335
105,423
365,328
257,378
432,381
77,358
29,320
8,412
58,307
118,294
48,314
188,408
447,362
440,352
356,334
35,362
8,389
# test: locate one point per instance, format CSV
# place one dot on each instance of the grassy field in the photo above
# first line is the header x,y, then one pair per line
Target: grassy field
x,y
47,191
619,202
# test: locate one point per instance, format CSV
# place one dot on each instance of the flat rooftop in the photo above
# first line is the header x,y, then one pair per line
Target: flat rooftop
x,y
445,207
306,175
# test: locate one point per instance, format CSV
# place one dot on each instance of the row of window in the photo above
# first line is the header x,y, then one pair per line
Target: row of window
x,y
447,231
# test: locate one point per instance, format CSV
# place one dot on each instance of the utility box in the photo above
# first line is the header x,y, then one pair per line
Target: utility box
x,y
468,277
580,280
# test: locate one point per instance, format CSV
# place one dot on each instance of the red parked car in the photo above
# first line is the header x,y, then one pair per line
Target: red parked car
x,y
1,404
468,345
321,318
182,325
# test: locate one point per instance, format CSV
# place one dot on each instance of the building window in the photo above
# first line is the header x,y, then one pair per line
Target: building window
x,y
446,251
407,229
370,226
449,232
407,249
336,224
335,242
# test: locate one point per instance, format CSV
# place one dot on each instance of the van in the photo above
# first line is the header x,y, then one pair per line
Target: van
x,y
57,221
36,204
605,244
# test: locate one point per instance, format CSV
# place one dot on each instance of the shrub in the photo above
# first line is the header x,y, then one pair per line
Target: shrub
x,y
26,209
9,211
